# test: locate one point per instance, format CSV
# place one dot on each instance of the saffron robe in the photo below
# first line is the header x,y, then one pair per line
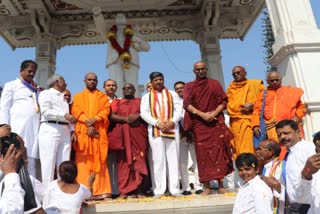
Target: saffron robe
x,y
132,160
91,152
212,140
283,103
238,94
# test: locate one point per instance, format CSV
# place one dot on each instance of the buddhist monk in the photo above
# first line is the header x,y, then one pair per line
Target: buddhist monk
x,y
131,161
242,94
282,102
91,108
204,101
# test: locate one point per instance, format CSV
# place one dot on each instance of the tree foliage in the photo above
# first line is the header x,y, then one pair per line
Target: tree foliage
x,y
268,40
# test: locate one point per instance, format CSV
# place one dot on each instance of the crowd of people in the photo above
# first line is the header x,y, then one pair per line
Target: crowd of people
x,y
98,146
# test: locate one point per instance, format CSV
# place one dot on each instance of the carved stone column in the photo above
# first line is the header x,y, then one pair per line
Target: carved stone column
x,y
46,51
297,52
210,53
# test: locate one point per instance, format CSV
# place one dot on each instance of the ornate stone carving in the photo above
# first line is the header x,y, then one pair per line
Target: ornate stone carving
x,y
4,11
60,5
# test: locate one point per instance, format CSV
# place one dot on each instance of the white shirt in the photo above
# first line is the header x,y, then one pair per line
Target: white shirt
x,y
53,106
254,197
277,174
297,158
146,113
57,201
18,108
12,197
303,193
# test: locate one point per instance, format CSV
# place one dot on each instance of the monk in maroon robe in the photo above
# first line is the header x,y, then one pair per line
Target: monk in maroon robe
x,y
204,102
132,135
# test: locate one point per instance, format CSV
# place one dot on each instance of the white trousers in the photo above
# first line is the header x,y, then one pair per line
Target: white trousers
x,y
165,152
185,148
54,148
32,166
121,76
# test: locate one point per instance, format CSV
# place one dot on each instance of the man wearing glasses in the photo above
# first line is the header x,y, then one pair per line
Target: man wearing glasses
x,y
282,102
204,102
131,160
242,94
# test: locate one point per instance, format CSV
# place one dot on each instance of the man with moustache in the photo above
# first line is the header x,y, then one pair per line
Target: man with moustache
x,y
162,110
54,134
91,109
19,108
110,87
298,151
204,100
186,145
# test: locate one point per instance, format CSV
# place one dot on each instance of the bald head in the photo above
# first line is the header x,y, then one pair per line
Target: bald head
x,y
274,80
91,81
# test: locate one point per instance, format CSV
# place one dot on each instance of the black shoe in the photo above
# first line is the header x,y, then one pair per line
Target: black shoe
x,y
186,193
199,191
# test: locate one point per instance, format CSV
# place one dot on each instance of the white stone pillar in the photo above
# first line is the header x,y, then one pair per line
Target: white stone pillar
x,y
297,53
210,53
46,51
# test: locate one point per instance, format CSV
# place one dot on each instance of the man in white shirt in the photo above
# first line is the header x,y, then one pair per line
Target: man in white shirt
x,y
162,110
310,183
54,133
19,109
12,196
185,146
272,170
298,152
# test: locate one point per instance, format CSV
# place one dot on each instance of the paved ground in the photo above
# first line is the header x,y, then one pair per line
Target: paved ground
x,y
186,204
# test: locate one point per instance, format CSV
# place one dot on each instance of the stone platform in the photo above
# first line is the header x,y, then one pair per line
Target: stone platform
x,y
214,204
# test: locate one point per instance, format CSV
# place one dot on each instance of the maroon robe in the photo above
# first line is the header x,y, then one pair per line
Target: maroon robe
x,y
132,160
212,140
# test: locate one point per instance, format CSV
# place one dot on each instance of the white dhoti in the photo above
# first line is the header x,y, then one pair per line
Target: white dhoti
x,y
54,148
185,148
165,155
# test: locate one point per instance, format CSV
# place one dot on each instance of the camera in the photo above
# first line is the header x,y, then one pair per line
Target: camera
x,y
6,141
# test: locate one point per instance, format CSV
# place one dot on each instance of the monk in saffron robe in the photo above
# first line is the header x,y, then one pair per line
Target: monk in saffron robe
x,y
204,102
242,94
131,161
91,108
282,102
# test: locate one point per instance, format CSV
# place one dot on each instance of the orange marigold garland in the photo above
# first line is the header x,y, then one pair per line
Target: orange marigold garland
x,y
124,52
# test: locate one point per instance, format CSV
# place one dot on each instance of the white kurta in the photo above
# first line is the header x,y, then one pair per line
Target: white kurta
x,y
54,139
165,151
57,201
254,197
18,109
12,197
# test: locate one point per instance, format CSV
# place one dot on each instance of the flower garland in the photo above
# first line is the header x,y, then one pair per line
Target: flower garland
x,y
124,52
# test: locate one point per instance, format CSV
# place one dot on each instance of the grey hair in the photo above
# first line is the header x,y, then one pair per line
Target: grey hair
x,y
53,79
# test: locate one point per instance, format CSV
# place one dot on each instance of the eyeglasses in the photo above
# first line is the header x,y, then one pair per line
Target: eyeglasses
x,y
126,88
236,73
274,80
200,69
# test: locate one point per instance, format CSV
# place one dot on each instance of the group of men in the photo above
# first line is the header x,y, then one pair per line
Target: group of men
x,y
113,137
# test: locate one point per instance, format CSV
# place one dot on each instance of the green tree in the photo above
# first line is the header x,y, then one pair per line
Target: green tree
x,y
268,40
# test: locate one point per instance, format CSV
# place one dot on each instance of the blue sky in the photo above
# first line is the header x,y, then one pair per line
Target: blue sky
x,y
175,59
